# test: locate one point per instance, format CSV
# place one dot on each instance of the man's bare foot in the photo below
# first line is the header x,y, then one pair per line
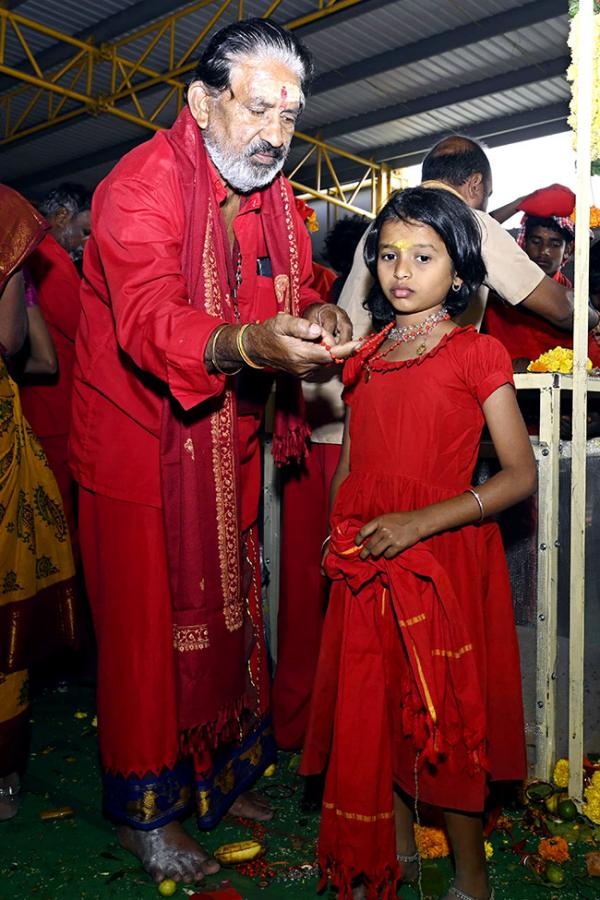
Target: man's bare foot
x,y
168,852
252,805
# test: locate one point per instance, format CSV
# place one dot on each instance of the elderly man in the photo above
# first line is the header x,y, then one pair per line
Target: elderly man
x,y
195,294
47,400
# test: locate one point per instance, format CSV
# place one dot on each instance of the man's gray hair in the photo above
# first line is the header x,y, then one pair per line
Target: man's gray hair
x,y
258,38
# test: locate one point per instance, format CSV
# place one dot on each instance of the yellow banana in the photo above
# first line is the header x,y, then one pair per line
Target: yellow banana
x,y
239,852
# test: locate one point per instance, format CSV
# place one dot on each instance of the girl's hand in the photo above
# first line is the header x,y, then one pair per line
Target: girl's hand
x,y
390,534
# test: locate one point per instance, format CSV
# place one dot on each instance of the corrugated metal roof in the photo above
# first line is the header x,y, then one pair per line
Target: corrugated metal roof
x,y
373,39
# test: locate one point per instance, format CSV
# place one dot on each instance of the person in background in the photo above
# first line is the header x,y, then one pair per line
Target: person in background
x,y
56,284
547,236
304,524
340,243
460,165
36,563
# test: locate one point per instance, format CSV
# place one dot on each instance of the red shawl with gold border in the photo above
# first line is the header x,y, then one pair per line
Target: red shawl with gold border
x,y
199,463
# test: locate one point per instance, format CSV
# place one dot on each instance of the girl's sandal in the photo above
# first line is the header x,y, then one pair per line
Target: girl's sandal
x,y
408,860
462,896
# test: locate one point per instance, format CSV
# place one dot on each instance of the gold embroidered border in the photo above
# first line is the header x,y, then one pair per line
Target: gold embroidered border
x,y
227,520
453,654
212,293
190,637
294,256
357,817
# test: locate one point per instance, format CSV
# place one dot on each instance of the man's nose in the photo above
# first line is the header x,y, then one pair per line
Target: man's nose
x,y
272,131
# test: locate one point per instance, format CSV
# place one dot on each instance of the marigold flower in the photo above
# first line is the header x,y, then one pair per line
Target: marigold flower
x,y
431,842
554,849
559,359
489,849
591,807
560,776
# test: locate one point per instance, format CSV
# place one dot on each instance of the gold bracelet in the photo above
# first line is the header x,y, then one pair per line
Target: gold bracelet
x,y
216,366
241,350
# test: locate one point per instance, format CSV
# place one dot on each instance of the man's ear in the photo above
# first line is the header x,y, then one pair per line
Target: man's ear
x,y
199,101
475,185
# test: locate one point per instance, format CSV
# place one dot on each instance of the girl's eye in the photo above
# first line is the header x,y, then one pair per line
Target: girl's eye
x,y
423,258
388,257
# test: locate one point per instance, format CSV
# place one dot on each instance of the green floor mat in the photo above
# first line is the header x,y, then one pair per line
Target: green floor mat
x,y
78,857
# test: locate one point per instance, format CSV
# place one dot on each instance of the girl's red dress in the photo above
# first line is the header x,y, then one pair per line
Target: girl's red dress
x,y
415,430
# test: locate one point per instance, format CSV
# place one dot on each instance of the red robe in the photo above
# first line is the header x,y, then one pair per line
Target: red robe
x,y
47,401
140,338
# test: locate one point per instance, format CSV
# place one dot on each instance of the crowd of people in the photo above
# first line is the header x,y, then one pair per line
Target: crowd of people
x,y
134,381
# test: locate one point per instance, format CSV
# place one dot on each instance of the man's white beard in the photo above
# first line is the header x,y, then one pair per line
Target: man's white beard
x,y
238,171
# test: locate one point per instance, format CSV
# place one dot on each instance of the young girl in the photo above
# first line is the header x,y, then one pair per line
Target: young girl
x,y
418,693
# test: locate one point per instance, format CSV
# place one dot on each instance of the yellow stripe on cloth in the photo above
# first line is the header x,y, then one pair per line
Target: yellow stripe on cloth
x,y
406,623
357,817
453,654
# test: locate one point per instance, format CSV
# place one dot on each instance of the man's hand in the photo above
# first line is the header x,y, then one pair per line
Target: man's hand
x,y
292,345
390,534
336,326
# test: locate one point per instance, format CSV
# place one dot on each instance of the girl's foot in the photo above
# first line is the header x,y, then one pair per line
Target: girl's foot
x,y
10,787
409,864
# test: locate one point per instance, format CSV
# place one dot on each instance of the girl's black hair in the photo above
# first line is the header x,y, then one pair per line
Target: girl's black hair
x,y
455,224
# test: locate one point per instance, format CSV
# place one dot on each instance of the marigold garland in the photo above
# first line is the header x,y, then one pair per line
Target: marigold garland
x,y
554,849
591,807
431,842
560,776
559,359
573,77
594,217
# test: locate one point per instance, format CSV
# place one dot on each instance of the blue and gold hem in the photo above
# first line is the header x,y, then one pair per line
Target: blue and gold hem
x,y
234,771
151,801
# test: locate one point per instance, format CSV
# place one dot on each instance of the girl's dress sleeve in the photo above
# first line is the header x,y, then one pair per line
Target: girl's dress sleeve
x,y
488,367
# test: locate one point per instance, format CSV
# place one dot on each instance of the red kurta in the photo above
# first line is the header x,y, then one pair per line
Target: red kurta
x,y
47,401
138,333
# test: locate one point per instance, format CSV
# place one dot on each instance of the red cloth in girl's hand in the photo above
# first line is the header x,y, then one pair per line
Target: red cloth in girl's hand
x,y
554,200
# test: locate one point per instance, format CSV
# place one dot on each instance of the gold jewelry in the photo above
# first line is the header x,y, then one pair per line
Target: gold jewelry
x,y
241,349
479,501
213,345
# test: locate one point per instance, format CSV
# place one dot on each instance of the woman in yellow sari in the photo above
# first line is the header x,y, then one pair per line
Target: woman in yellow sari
x,y
36,565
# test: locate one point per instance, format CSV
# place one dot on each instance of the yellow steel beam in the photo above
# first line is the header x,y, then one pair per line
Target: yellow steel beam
x,y
76,85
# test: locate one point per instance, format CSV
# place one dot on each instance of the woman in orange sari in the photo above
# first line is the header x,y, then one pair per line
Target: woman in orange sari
x,y
36,563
